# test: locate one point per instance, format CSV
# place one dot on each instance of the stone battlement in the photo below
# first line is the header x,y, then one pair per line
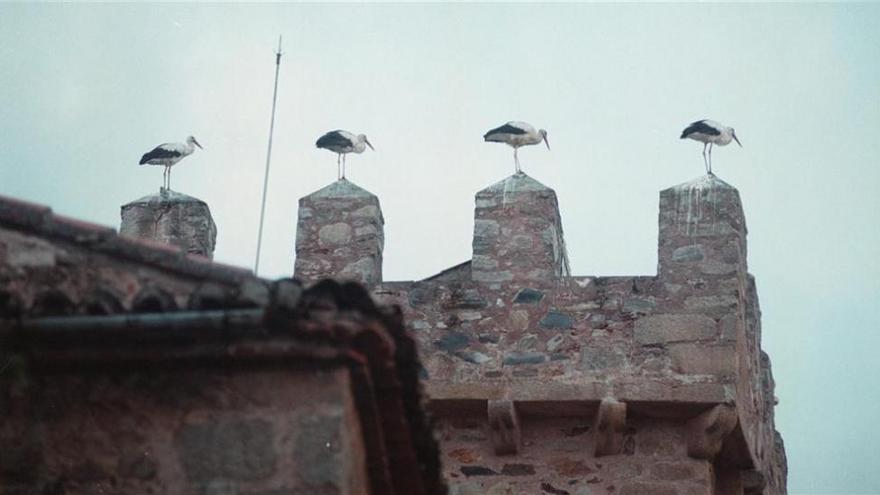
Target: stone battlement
x,y
536,373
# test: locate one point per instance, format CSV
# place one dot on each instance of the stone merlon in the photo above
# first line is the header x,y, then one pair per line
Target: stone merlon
x,y
702,230
518,233
172,218
341,234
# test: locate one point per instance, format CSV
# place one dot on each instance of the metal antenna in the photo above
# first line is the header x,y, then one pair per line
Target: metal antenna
x,y
268,158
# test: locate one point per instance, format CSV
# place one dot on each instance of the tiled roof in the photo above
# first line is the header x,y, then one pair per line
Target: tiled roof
x,y
40,220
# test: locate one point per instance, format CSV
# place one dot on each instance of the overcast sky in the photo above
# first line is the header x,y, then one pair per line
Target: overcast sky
x,y
86,89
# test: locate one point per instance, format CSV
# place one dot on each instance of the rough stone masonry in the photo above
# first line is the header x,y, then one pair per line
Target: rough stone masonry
x,y
548,383
171,218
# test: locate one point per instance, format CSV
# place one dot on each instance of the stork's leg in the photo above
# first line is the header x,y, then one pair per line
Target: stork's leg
x,y
343,165
516,159
338,166
710,158
705,161
165,178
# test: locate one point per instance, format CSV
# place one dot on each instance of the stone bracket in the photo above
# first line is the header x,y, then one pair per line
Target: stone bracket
x,y
610,425
753,482
504,431
706,432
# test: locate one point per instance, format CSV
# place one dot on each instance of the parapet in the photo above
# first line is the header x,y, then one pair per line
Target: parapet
x,y
660,375
172,218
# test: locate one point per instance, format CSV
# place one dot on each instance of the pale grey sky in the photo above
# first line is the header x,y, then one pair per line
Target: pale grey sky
x,y
86,89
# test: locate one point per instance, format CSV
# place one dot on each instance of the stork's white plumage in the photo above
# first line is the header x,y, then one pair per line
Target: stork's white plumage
x,y
710,133
167,154
342,143
516,134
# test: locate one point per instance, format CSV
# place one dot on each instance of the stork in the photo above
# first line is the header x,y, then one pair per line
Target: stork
x,y
517,134
167,155
709,133
342,143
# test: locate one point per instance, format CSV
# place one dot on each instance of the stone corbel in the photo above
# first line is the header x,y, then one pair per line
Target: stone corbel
x,y
706,432
609,427
753,482
504,429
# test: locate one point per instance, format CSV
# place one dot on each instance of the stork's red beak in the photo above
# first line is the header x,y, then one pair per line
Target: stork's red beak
x,y
197,144
737,141
546,141
370,145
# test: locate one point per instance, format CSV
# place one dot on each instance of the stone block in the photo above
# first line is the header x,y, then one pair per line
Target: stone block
x,y
663,329
453,341
688,253
672,471
602,359
556,320
528,296
334,234
704,359
515,358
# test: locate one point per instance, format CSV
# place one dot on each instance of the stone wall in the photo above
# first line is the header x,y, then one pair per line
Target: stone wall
x,y
678,351
555,460
279,432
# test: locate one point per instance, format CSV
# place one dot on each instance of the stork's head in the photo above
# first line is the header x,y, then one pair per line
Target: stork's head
x,y
733,135
192,140
543,134
363,139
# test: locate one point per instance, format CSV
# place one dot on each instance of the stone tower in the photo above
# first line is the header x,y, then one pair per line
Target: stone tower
x,y
545,382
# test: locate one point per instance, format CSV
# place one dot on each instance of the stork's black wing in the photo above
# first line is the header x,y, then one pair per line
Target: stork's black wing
x,y
505,129
701,127
333,138
159,152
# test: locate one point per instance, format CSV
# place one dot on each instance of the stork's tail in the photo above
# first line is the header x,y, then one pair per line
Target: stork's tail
x,y
143,160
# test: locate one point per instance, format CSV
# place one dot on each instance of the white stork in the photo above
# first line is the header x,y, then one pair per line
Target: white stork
x,y
167,155
517,134
709,133
343,142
